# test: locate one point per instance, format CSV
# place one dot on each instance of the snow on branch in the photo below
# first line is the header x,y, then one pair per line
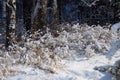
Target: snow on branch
x,y
90,4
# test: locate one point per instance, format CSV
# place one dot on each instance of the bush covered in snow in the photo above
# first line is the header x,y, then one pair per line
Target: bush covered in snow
x,y
69,42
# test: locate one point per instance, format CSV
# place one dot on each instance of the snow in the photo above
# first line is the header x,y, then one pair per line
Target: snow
x,y
73,55
115,27
114,47
81,69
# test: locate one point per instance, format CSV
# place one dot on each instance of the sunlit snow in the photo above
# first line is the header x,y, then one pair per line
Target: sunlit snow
x,y
72,55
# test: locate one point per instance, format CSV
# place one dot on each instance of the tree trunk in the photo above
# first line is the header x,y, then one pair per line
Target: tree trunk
x,y
27,10
117,12
59,3
40,16
11,22
54,15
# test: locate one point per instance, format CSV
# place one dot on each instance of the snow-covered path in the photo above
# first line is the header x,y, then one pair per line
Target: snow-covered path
x,y
80,69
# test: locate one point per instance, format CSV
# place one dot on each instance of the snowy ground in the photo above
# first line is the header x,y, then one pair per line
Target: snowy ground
x,y
80,50
81,69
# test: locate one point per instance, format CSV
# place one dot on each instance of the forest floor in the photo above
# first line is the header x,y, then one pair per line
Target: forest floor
x,y
73,55
80,69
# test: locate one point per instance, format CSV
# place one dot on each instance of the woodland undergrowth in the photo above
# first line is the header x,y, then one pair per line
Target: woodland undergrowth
x,y
46,52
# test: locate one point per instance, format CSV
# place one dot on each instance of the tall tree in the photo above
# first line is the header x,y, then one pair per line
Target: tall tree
x,y
54,15
40,16
11,22
27,10
59,3
117,11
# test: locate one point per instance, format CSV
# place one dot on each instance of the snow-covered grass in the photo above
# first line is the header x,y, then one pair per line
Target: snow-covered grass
x,y
71,55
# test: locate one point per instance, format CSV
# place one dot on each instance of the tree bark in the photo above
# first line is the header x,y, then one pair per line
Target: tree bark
x,y
59,3
11,22
117,12
40,16
54,15
27,10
